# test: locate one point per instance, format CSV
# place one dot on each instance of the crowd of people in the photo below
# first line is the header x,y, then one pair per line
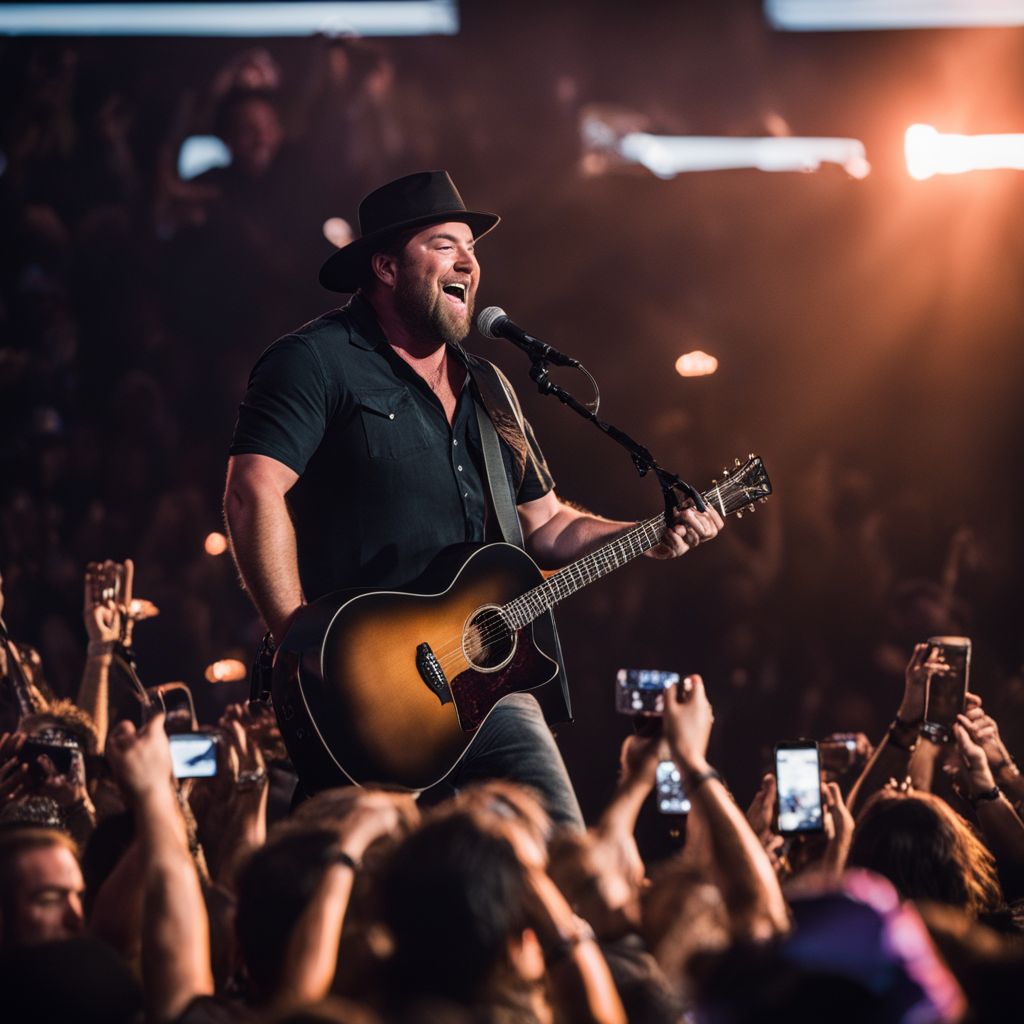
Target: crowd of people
x,y
135,301
130,893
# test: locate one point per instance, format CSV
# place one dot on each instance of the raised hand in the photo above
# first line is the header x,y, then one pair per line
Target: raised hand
x,y
107,597
985,732
141,759
13,773
925,662
979,776
688,719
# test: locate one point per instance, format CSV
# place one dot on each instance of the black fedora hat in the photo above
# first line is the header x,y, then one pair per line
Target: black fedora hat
x,y
427,197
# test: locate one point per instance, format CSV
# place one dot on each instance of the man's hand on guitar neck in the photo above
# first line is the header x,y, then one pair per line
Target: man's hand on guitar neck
x,y
689,529
557,533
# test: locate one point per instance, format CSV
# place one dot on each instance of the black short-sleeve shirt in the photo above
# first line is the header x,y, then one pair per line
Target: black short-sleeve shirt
x,y
384,482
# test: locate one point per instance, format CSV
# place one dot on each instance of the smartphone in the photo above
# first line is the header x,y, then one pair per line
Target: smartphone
x,y
194,755
841,751
798,781
947,690
59,754
669,787
641,691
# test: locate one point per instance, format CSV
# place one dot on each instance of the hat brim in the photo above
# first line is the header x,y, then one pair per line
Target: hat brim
x,y
343,270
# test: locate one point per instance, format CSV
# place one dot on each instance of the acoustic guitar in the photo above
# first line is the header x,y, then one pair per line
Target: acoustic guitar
x,y
389,687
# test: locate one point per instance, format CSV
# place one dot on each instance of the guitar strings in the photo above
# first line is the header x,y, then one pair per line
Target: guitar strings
x,y
499,631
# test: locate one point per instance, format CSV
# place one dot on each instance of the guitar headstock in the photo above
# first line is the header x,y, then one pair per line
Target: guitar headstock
x,y
741,486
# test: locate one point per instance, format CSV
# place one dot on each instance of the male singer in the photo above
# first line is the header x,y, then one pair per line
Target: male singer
x,y
357,454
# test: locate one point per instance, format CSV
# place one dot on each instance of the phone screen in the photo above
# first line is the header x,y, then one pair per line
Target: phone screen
x,y
798,777
641,691
194,755
669,787
947,690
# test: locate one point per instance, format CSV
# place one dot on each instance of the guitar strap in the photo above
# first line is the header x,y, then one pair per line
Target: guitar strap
x,y
554,700
497,479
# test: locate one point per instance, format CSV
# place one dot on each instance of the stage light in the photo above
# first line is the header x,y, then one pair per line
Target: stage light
x,y
227,670
608,144
858,15
666,155
696,364
215,544
337,231
930,152
201,153
383,18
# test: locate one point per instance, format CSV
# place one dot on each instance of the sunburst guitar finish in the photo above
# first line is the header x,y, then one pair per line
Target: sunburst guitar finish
x,y
350,677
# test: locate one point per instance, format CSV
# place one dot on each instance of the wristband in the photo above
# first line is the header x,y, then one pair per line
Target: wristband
x,y
984,796
100,648
896,741
341,857
698,779
564,945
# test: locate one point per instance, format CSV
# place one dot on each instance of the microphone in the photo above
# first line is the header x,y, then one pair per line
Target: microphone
x,y
493,322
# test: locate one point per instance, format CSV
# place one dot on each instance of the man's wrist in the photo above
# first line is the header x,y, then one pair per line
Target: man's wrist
x,y
692,766
101,650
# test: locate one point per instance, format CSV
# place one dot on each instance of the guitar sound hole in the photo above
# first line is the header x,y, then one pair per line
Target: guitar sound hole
x,y
488,642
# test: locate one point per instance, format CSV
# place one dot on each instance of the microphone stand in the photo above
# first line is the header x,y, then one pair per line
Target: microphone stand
x,y
642,458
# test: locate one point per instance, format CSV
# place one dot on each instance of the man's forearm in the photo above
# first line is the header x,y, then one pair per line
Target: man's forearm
x,y
93,693
175,930
748,879
571,534
264,548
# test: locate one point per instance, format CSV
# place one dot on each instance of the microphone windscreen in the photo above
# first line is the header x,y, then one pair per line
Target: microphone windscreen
x,y
488,318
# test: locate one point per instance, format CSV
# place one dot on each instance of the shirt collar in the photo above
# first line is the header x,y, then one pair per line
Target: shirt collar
x,y
368,334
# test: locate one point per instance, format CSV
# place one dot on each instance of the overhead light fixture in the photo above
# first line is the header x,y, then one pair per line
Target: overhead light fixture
x,y
858,15
384,18
668,155
931,152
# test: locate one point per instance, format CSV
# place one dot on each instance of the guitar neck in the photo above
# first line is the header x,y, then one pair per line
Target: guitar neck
x,y
585,570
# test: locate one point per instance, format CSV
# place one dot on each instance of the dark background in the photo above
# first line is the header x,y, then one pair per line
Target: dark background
x,y
868,333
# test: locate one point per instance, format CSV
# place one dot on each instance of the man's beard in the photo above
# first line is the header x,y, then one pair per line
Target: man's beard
x,y
426,315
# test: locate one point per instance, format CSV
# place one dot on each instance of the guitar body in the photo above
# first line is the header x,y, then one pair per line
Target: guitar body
x,y
360,699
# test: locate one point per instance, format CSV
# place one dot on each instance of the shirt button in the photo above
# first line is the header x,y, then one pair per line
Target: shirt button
x,y
460,469
456,443
391,415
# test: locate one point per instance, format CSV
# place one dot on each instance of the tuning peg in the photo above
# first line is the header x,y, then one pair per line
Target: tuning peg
x,y
751,507
714,483
751,455
725,472
736,462
762,500
739,515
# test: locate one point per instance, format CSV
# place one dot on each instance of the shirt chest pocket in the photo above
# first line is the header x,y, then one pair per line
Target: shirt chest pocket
x,y
393,426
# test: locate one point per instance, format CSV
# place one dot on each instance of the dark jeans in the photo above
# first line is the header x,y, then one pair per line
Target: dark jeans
x,y
516,744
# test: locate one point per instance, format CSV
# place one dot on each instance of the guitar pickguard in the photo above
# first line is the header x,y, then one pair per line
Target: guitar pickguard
x,y
475,693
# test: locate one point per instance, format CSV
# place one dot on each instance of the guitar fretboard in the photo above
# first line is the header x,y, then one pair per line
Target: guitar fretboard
x,y
578,574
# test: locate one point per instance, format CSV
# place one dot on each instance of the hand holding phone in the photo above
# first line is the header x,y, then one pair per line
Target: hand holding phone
x,y
798,782
946,694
